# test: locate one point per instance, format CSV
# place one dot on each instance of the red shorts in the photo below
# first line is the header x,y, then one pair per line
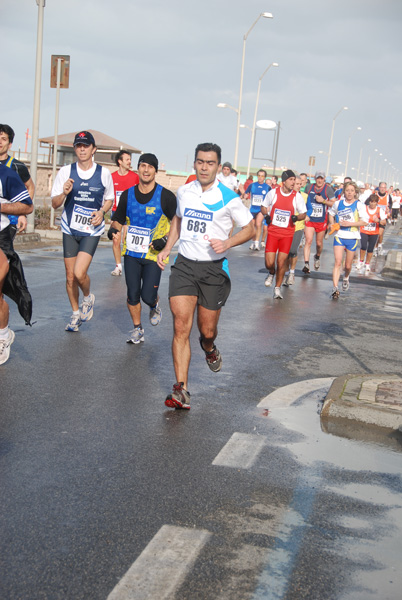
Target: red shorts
x,y
280,244
317,226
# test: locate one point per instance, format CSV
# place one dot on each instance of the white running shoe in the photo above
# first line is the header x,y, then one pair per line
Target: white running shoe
x,y
367,270
345,284
117,271
252,246
359,266
74,324
155,315
5,347
262,244
136,336
277,294
87,309
268,281
291,278
286,280
380,250
256,246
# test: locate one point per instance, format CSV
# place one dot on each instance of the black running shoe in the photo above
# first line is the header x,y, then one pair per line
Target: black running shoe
x,y
306,269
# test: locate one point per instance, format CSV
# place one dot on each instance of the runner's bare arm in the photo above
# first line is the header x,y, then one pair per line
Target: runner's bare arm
x,y
57,201
98,215
16,208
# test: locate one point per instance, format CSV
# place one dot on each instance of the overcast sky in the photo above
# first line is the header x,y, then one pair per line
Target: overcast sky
x,y
152,73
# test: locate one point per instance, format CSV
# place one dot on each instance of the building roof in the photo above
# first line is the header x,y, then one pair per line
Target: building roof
x,y
103,141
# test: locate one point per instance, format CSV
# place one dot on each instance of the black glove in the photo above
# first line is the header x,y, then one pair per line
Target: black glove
x,y
110,233
294,218
267,219
159,244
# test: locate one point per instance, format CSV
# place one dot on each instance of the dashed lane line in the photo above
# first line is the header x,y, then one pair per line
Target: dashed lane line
x,y
162,566
240,451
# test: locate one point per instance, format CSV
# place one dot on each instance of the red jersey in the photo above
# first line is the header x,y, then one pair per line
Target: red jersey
x,y
281,215
122,183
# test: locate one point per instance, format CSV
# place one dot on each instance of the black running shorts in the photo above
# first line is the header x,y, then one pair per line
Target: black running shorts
x,y
72,244
208,280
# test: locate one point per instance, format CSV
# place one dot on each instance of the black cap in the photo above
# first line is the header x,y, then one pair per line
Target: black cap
x,y
287,174
150,159
84,137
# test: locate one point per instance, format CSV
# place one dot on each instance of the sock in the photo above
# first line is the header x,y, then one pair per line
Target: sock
x,y
76,313
87,298
292,271
4,333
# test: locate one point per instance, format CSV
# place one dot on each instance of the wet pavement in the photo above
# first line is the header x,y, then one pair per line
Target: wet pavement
x,y
251,494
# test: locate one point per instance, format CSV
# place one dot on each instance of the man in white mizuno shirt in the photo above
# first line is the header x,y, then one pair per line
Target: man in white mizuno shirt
x,y
200,276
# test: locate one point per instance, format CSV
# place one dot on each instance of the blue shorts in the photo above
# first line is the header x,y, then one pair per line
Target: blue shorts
x,y
346,243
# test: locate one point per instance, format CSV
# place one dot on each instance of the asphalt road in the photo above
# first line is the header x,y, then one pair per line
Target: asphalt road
x,y
106,493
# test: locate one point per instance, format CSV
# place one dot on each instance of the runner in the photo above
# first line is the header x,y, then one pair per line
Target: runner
x,y
291,262
226,177
86,190
199,278
383,202
350,215
258,191
369,231
14,200
18,224
282,208
395,198
123,179
274,182
304,182
339,191
148,209
320,198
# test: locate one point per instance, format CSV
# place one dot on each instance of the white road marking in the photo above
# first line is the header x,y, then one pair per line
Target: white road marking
x,y
285,396
162,566
240,451
393,302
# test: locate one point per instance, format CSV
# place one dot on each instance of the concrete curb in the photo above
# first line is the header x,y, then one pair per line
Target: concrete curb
x,y
393,265
366,399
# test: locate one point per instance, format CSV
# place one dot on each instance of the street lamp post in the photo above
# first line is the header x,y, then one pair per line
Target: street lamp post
x,y
360,158
266,15
36,106
255,115
347,152
368,166
343,164
332,136
224,105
